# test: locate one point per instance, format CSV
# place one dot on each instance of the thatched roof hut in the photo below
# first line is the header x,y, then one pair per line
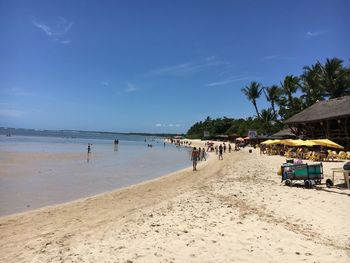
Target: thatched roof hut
x,y
323,110
325,119
285,133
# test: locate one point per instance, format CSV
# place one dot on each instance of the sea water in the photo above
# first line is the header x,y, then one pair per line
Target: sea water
x,y
70,173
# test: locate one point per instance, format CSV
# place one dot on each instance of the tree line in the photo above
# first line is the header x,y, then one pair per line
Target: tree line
x,y
317,82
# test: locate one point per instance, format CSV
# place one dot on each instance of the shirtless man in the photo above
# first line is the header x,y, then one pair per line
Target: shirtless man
x,y
194,158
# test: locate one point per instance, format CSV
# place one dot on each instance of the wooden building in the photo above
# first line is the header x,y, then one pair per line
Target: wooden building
x,y
324,119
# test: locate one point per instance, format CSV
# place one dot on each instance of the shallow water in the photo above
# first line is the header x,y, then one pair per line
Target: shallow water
x,y
41,171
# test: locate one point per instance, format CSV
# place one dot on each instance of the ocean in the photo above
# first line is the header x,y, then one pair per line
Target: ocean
x,y
53,167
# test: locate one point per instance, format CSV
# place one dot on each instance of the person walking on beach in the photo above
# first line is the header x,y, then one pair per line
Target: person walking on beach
x,y
194,158
199,153
220,152
229,148
202,156
89,148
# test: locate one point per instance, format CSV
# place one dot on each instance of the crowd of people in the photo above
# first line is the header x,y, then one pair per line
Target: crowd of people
x,y
200,153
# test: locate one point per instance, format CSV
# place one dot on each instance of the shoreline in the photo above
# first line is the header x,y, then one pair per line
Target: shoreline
x,y
101,195
230,210
33,180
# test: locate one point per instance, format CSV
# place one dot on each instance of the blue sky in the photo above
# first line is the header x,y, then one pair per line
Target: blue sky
x,y
154,66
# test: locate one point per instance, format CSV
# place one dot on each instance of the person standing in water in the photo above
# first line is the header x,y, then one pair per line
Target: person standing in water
x,y
116,142
89,149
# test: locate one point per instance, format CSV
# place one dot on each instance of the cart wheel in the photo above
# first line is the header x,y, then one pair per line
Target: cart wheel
x,y
288,182
329,183
308,184
318,181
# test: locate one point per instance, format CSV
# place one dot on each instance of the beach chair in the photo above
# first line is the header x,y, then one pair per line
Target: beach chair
x,y
288,154
342,155
299,153
332,155
316,157
308,155
348,155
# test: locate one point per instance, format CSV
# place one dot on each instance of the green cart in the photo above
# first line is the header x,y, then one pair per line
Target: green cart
x,y
311,174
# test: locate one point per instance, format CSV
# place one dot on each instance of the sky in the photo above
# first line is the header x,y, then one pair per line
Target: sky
x,y
155,66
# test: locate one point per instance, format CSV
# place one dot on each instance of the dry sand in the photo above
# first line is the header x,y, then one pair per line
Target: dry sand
x,y
235,210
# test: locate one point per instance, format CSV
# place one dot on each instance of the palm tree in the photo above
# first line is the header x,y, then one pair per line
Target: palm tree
x,y
311,85
253,92
289,86
267,119
335,78
272,95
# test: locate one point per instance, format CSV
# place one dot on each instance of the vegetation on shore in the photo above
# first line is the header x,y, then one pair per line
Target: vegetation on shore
x,y
292,95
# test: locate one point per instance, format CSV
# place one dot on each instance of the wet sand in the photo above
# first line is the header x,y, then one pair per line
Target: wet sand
x,y
230,210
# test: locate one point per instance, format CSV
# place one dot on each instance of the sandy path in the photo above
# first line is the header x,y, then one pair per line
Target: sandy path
x,y
231,210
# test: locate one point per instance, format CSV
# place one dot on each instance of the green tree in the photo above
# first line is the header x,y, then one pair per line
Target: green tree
x,y
288,104
290,85
268,118
335,78
272,95
253,92
311,85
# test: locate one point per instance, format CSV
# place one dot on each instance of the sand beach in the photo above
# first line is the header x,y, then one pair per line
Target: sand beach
x,y
235,210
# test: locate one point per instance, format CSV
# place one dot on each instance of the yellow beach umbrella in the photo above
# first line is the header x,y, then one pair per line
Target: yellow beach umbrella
x,y
274,142
289,142
267,141
327,143
299,142
309,143
296,142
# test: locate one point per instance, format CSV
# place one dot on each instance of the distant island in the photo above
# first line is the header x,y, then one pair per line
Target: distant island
x,y
70,133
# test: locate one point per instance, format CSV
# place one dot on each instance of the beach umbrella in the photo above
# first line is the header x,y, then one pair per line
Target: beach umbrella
x,y
299,142
308,143
327,143
267,141
240,139
272,142
246,138
289,142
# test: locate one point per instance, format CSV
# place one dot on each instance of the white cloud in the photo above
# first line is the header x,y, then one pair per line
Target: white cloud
x,y
187,67
227,81
60,28
314,33
270,57
65,42
167,125
131,88
276,57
